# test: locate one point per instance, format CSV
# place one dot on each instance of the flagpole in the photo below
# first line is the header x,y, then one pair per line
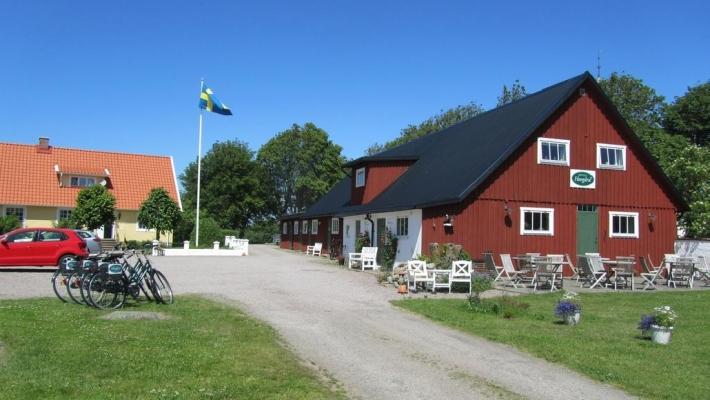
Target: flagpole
x,y
199,170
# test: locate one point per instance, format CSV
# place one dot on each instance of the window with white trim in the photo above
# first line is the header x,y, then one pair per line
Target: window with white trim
x,y
623,224
63,214
552,151
304,227
335,225
402,226
314,227
611,156
141,227
537,221
360,177
285,228
18,212
82,181
295,227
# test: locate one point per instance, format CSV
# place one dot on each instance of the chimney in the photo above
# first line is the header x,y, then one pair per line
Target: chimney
x,y
43,146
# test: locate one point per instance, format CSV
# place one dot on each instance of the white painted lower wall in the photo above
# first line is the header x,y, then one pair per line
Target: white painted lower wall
x,y
408,247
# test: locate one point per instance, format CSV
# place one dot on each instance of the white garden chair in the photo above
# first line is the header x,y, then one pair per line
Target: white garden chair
x,y
316,248
703,270
417,273
460,272
367,257
650,273
598,272
511,274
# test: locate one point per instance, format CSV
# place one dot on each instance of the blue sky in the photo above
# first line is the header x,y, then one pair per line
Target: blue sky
x,y
125,75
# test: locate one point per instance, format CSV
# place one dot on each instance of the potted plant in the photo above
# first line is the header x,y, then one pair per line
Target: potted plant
x,y
568,308
660,324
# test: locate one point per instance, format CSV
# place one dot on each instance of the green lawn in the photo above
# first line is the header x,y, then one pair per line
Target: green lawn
x,y
606,345
206,351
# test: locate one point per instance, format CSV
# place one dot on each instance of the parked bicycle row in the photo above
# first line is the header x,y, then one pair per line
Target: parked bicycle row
x,y
107,280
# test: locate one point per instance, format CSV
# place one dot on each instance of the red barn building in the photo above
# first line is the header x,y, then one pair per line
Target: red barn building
x,y
558,171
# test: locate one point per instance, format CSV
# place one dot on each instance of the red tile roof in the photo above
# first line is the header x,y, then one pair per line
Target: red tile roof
x,y
28,177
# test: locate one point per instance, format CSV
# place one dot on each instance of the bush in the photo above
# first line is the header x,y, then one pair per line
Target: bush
x,y
443,255
8,223
479,284
184,227
65,223
363,240
262,232
209,232
138,245
389,250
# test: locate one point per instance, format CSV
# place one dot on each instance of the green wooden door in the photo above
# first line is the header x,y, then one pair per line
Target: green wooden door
x,y
587,229
381,228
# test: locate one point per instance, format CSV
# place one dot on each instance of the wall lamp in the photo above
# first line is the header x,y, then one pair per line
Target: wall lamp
x,y
651,217
448,221
506,209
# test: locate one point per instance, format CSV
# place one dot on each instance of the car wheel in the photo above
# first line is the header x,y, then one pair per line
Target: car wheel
x,y
63,259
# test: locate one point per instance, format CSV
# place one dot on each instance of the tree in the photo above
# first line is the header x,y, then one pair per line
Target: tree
x,y
9,223
433,124
95,207
301,164
640,105
235,189
689,171
689,115
516,92
159,211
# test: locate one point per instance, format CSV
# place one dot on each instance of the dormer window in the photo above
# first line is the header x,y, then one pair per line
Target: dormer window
x,y
360,177
82,181
553,151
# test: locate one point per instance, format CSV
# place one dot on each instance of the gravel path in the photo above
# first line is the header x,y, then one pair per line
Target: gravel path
x,y
342,322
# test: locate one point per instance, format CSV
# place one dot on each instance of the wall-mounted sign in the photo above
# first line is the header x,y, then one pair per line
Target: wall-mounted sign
x,y
583,179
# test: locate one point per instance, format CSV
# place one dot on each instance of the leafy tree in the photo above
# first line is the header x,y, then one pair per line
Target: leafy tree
x,y
235,189
95,207
301,165
210,232
65,223
433,124
9,223
516,92
689,115
159,211
690,171
640,105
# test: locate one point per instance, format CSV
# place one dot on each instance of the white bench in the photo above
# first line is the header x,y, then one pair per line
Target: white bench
x,y
314,250
367,258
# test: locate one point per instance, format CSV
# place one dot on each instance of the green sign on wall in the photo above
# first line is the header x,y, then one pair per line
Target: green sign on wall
x,y
583,179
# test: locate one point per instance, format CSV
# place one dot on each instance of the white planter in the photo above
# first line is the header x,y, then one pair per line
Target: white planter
x,y
661,334
573,319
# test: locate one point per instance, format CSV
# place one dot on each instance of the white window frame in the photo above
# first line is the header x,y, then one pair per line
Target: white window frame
x,y
634,215
542,140
406,225
360,172
314,227
59,213
24,214
296,225
79,178
284,229
614,147
335,225
304,227
550,211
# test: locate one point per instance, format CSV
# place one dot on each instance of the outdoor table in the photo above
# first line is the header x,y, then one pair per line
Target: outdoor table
x,y
546,268
434,273
526,265
619,269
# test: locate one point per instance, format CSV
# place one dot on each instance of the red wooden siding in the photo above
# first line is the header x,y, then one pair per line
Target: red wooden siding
x,y
301,240
379,176
480,222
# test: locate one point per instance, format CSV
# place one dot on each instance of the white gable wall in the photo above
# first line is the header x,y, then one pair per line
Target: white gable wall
x,y
408,247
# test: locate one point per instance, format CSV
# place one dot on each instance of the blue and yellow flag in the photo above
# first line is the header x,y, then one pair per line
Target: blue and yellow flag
x,y
209,102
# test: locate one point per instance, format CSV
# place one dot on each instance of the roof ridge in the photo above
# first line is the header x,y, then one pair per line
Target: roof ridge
x,y
87,150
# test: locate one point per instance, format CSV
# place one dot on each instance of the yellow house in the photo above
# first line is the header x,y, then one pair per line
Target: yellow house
x,y
39,184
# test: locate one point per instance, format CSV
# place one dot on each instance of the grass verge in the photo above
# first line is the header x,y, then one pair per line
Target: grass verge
x,y
205,350
606,345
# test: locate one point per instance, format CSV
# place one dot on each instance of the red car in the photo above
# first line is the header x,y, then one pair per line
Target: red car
x,y
40,246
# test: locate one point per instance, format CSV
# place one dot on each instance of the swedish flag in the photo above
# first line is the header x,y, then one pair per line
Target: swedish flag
x,y
209,102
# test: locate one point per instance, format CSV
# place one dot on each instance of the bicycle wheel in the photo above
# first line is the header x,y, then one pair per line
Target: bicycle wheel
x,y
74,282
162,288
106,293
59,285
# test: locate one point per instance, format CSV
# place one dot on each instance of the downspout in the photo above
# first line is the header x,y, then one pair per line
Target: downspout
x,y
368,217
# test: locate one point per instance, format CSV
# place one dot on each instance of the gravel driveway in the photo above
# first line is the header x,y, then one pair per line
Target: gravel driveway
x,y
341,321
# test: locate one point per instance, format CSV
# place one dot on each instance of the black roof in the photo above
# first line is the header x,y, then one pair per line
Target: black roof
x,y
455,161
332,202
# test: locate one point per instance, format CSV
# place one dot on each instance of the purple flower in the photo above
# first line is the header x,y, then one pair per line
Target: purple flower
x,y
566,309
646,322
